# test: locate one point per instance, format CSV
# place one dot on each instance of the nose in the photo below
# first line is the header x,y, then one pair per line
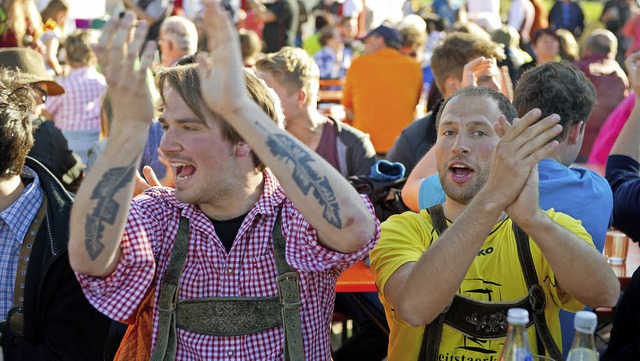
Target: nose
x,y
169,143
460,146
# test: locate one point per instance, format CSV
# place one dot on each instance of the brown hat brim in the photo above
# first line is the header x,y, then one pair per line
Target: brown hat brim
x,y
53,88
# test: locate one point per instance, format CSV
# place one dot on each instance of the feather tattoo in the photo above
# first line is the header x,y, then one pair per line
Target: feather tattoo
x,y
306,177
106,210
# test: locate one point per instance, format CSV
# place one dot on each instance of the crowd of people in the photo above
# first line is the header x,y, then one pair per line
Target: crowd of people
x,y
175,183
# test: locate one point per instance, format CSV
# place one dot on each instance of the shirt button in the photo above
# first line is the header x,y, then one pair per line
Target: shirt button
x,y
230,353
230,271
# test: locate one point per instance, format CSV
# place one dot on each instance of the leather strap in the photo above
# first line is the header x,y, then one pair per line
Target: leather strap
x,y
289,293
535,302
16,314
166,342
543,334
433,332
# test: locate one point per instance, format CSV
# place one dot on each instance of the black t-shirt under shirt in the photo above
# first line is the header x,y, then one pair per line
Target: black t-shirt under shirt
x,y
227,230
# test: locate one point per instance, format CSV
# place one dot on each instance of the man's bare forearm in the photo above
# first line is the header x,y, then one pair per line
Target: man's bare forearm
x,y
420,291
102,204
322,195
572,260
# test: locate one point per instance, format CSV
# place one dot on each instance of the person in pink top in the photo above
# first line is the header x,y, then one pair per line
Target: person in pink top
x,y
77,112
610,130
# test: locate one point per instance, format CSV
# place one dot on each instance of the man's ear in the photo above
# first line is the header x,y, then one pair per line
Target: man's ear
x,y
243,149
452,84
575,131
302,97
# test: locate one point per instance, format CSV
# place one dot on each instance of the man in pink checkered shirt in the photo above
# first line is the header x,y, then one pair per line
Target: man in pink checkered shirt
x,y
216,139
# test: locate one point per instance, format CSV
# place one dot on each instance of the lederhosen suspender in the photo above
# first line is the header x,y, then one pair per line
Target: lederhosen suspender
x,y
15,316
544,338
463,311
228,316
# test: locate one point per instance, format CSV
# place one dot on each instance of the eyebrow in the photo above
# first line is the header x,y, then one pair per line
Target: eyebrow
x,y
471,123
162,120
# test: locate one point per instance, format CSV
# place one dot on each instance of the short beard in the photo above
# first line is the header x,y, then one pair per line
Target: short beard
x,y
458,194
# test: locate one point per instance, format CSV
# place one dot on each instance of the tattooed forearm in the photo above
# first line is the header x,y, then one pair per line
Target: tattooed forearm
x,y
306,177
106,210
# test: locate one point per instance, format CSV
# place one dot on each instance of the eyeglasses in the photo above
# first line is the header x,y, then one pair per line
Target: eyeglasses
x,y
41,92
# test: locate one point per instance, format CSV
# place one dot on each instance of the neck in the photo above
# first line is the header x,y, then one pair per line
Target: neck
x,y
545,59
307,126
238,201
10,191
453,210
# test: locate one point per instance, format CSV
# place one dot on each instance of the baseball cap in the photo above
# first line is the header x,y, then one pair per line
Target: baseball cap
x,y
390,35
31,66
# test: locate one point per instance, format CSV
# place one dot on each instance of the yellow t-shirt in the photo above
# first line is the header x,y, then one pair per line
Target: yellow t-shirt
x,y
494,275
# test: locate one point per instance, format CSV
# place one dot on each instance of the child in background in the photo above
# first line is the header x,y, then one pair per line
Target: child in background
x,y
54,16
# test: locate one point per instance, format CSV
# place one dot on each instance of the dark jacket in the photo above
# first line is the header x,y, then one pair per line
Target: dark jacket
x,y
50,148
574,22
60,324
624,344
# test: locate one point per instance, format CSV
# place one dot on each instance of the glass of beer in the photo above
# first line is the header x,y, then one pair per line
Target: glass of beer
x,y
616,246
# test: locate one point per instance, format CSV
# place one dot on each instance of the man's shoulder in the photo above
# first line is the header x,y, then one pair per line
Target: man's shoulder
x,y
575,179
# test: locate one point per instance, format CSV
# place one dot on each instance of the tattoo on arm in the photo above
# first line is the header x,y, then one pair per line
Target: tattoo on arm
x,y
106,210
306,177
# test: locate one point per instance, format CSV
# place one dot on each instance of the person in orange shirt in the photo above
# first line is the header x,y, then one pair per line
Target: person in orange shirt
x,y
382,88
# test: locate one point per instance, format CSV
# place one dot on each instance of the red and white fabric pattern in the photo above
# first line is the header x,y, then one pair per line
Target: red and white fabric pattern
x,y
79,107
249,270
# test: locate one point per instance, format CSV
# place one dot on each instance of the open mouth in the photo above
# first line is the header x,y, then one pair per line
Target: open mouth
x,y
460,172
184,171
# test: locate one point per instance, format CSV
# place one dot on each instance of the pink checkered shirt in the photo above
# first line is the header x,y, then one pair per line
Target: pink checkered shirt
x,y
79,107
249,270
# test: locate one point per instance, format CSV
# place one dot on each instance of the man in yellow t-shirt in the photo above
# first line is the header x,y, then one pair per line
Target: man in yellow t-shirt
x,y
488,170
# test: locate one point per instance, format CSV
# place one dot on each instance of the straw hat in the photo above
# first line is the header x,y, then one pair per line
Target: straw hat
x,y
31,65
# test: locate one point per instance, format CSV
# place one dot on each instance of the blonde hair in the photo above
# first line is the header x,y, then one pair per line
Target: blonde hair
x,y
293,68
18,11
78,47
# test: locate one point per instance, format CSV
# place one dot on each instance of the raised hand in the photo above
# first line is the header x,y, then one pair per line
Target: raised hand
x,y
473,69
521,146
117,51
221,70
632,63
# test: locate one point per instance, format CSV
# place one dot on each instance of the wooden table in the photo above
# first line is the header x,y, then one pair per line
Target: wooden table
x,y
330,96
358,278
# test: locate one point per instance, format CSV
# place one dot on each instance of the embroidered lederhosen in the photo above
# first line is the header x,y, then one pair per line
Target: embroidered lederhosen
x,y
464,313
228,316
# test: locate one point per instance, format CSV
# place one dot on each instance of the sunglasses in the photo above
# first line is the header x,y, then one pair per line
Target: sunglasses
x,y
41,92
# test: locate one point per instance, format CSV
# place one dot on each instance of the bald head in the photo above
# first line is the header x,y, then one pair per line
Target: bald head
x,y
601,42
